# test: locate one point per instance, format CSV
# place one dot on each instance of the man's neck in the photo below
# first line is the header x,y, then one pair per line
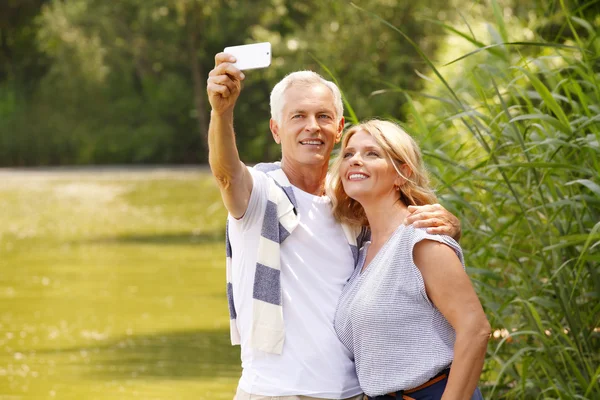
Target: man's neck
x,y
308,178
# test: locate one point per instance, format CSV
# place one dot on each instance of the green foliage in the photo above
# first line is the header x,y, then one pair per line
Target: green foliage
x,y
124,82
515,147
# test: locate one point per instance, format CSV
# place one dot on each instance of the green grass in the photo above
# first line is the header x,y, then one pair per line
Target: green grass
x,y
513,140
112,286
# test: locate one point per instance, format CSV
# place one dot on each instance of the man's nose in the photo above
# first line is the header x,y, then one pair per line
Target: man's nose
x,y
312,124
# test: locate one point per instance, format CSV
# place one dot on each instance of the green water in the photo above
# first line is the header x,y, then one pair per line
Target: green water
x,y
112,286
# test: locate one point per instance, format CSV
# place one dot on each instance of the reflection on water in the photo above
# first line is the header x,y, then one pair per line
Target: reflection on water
x,y
164,357
117,293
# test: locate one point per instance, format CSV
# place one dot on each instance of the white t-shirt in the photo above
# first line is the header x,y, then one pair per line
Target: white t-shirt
x,y
316,262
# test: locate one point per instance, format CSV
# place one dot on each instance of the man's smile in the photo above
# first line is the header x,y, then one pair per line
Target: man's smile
x,y
311,142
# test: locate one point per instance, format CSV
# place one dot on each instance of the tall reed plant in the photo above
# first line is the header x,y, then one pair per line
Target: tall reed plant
x,y
515,147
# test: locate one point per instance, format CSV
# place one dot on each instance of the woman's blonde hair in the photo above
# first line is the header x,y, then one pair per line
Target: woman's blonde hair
x,y
401,149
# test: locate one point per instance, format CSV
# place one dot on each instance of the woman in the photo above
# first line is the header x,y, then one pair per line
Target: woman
x,y
409,312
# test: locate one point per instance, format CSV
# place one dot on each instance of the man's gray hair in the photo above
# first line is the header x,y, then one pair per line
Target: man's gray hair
x,y
306,78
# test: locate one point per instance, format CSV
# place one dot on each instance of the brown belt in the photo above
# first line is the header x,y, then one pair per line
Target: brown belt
x,y
430,382
423,386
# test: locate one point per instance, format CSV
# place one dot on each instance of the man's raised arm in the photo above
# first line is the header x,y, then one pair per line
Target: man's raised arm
x,y
233,178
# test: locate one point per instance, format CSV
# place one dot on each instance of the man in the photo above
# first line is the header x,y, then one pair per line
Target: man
x,y
289,258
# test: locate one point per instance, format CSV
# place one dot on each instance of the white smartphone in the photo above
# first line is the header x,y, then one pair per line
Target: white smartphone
x,y
251,56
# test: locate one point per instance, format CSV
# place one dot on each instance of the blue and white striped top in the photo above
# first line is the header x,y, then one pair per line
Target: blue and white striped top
x,y
398,337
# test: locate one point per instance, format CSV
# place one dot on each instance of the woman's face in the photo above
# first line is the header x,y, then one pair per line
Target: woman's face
x,y
366,171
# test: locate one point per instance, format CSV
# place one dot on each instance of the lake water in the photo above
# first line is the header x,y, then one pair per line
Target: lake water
x,y
112,286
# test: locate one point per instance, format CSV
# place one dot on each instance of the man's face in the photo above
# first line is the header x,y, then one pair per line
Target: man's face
x,y
308,129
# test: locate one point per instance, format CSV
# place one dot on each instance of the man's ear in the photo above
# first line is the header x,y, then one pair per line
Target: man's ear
x,y
275,131
340,130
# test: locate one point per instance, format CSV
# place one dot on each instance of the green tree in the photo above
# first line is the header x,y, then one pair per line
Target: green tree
x,y
125,80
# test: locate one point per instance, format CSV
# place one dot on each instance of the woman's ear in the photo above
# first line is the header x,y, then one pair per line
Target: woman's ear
x,y
406,174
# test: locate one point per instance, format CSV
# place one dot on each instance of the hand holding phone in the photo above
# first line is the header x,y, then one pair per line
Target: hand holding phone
x,y
251,56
